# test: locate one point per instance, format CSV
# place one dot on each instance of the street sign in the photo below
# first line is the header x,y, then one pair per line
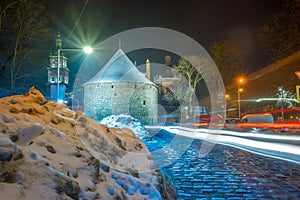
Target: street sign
x,y
298,74
298,93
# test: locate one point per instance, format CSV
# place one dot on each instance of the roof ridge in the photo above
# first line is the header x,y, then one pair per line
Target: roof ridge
x,y
274,66
127,72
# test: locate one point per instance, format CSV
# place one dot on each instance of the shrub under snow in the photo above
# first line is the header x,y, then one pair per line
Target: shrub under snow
x,y
126,121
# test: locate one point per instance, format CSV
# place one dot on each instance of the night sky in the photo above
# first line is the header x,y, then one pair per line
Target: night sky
x,y
236,22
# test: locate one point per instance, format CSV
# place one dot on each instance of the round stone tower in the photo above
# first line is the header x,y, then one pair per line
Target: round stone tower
x,y
120,88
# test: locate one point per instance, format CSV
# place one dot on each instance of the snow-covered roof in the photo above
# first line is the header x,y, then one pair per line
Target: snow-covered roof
x,y
119,69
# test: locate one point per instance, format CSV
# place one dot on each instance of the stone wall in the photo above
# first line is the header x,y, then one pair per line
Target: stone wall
x,y
137,99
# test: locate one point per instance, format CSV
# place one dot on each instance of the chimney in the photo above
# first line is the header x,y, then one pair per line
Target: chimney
x,y
148,69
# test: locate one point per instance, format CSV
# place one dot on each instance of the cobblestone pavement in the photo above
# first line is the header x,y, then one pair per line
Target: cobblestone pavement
x,y
230,173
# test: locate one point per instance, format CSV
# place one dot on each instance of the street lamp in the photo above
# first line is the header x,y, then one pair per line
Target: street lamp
x,y
239,90
86,50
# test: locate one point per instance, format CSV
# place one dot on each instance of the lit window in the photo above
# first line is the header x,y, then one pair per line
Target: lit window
x,y
53,63
52,79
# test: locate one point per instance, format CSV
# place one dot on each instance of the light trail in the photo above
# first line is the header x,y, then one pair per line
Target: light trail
x,y
277,146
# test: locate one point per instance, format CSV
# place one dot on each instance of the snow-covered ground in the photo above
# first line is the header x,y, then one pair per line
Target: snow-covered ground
x,y
126,121
50,152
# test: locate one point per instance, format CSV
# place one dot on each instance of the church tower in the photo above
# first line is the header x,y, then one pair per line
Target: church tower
x,y
148,76
58,73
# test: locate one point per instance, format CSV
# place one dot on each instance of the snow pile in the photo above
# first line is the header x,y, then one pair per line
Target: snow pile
x,y
132,185
50,152
126,121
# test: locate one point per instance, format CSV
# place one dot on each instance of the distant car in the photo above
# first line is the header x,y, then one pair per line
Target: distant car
x,y
204,121
265,120
231,122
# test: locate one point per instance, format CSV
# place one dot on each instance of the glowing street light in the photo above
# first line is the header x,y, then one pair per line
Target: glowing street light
x,y
86,50
240,81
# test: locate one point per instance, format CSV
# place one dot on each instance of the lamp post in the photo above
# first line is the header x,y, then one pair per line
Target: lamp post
x,y
86,50
239,90
281,91
58,67
227,97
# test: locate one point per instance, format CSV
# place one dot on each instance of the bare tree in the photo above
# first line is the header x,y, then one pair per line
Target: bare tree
x,y
228,60
5,6
24,35
280,35
189,76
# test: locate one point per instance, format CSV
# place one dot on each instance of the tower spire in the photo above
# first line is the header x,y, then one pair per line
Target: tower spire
x,y
120,43
58,40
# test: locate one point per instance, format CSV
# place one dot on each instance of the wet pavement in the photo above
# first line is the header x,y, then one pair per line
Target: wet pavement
x,y
228,173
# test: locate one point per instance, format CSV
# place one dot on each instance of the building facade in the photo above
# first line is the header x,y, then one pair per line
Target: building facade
x,y
120,88
270,88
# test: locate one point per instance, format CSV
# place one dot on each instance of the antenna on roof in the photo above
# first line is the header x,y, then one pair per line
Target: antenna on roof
x,y
119,43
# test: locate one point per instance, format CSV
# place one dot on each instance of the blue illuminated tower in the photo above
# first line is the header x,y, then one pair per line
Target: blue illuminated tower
x,y
55,74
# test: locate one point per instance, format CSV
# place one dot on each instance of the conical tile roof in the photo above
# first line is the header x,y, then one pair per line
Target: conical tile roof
x,y
119,69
